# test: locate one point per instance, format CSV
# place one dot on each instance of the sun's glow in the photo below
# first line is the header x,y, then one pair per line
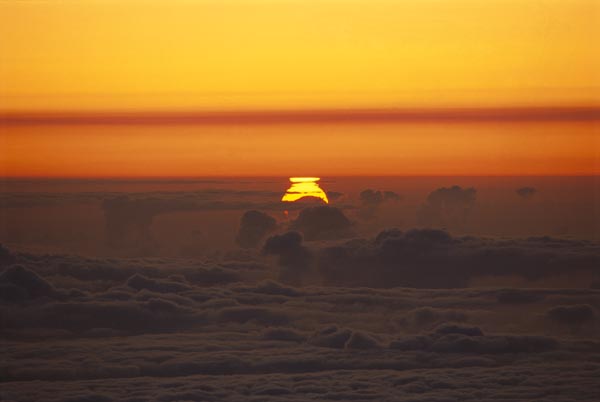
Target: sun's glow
x,y
302,187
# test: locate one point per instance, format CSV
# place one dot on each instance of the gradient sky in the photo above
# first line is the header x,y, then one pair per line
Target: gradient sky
x,y
106,58
316,53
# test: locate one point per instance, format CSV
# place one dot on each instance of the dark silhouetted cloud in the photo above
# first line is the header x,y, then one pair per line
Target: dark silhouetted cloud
x,y
526,192
375,197
6,257
322,223
334,195
254,226
294,258
372,200
433,258
447,207
139,282
331,337
19,284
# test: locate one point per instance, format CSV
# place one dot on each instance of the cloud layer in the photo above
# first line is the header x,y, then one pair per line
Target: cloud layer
x,y
431,258
82,329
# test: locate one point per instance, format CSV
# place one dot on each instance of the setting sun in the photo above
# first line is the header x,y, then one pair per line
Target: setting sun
x,y
302,187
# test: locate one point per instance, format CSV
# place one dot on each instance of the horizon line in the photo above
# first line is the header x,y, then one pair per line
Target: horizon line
x,y
323,178
305,116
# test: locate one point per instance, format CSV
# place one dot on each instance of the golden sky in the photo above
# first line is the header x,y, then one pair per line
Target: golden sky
x,y
102,60
265,54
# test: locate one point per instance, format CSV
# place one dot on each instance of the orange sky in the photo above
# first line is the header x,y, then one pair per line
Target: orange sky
x,y
302,150
93,57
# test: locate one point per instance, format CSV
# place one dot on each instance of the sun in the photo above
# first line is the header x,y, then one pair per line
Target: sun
x,y
302,187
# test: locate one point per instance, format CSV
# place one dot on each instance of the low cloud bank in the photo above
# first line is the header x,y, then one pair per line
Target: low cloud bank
x,y
431,258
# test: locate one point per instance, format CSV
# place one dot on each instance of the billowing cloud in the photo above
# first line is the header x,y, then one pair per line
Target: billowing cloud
x,y
294,258
331,337
254,226
433,258
18,283
322,223
372,200
471,340
425,317
168,329
342,338
140,282
371,197
6,257
447,207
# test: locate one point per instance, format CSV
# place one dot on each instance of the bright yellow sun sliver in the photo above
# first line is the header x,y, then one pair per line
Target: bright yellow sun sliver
x,y
302,187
